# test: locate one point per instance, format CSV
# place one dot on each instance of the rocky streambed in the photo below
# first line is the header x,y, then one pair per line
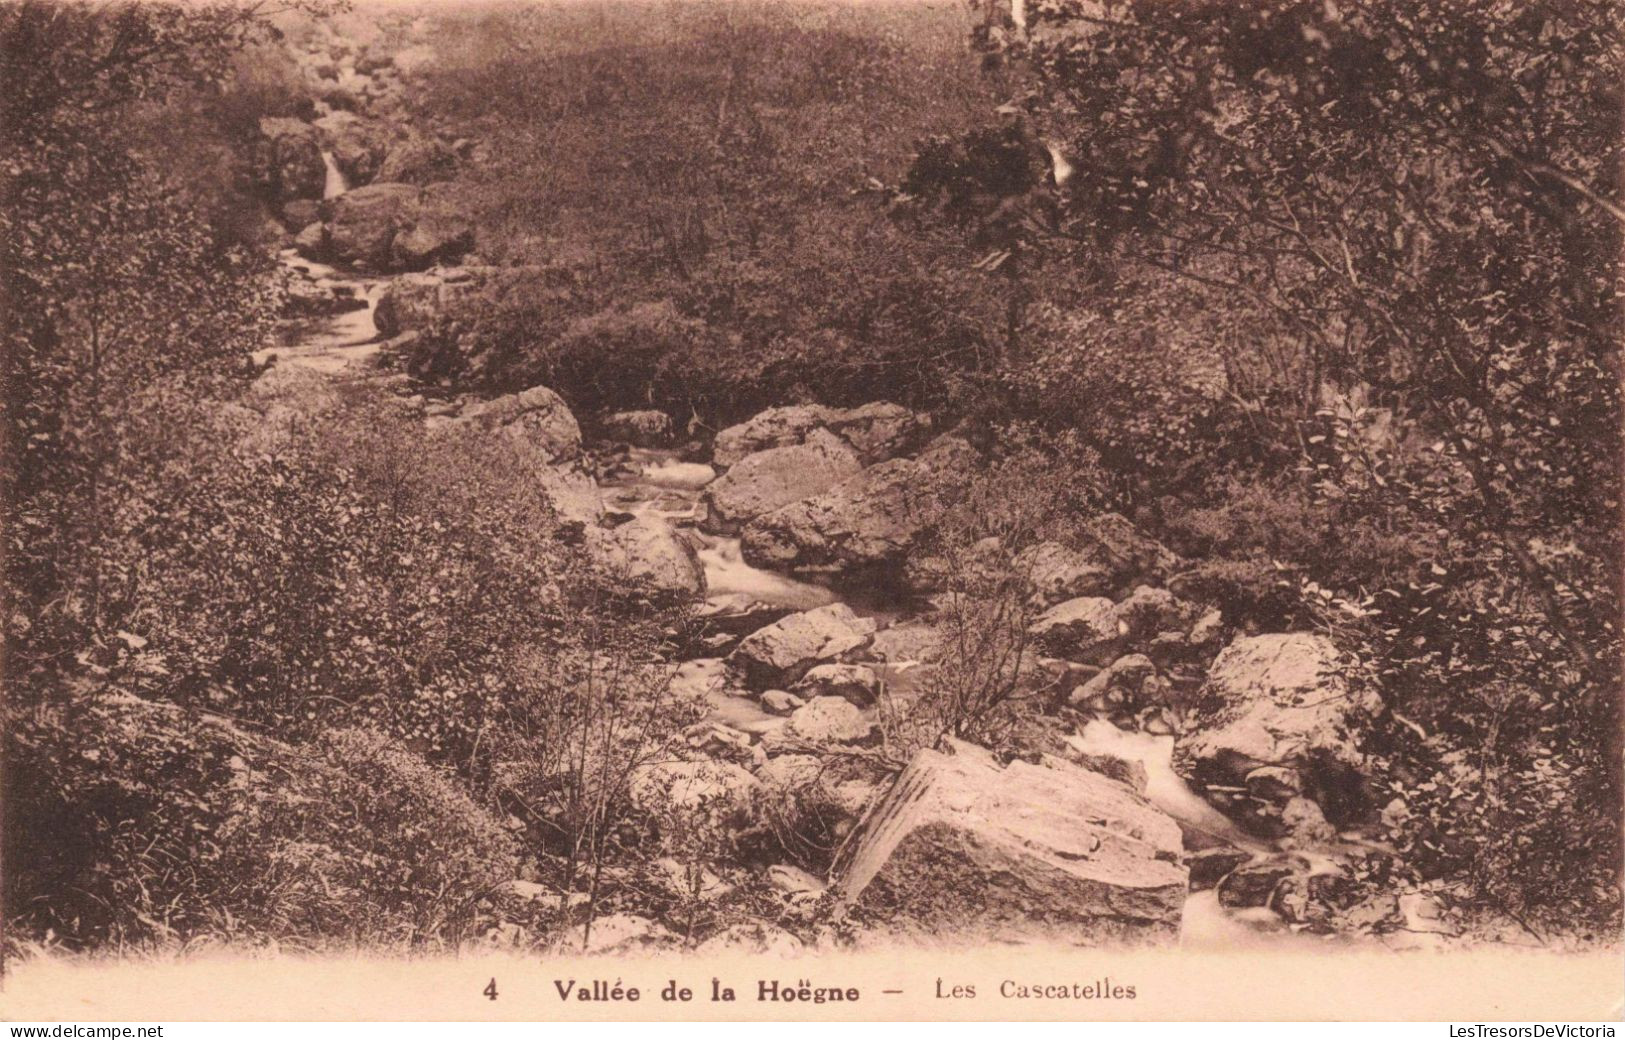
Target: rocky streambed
x,y
1239,820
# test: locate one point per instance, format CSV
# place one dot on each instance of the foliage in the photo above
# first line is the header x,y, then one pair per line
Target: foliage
x,y
132,823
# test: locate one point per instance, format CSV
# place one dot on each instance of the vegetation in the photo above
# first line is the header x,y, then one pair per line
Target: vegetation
x,y
1322,296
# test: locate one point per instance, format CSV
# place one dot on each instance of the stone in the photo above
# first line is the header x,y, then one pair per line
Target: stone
x,y
967,852
537,417
1280,700
1114,544
856,683
793,881
291,158
767,480
356,144
780,702
867,523
298,214
1083,629
362,224
830,720
1147,611
647,557
880,431
1207,630
1210,866
722,791
430,241
418,160
646,428
311,242
1251,884
621,933
754,938
779,654
1059,574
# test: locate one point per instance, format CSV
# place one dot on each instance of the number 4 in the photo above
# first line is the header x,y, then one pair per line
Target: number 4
x,y
490,990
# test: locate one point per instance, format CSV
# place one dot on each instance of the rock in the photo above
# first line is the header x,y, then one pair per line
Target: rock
x,y
1147,611
877,431
1317,901
311,242
913,640
880,431
1059,574
646,557
430,241
537,417
1207,630
866,523
418,160
647,428
298,214
767,480
854,682
756,938
722,791
1250,885
781,653
1280,700
780,702
1210,866
1117,546
963,850
830,720
622,933
363,223
736,614
291,159
793,881
1125,678
574,497
356,144
408,303
1083,629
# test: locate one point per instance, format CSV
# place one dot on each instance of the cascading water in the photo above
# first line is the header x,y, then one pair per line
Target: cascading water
x,y
335,184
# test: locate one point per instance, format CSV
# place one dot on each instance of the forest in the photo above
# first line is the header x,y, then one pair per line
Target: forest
x,y
569,475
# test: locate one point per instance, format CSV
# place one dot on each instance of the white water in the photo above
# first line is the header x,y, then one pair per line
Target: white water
x,y
335,184
337,341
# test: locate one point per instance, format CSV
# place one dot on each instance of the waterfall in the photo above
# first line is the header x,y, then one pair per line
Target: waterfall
x,y
336,184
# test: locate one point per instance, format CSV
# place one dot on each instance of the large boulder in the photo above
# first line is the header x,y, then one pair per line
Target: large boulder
x,y
1112,543
650,559
964,851
767,480
866,523
431,240
537,416
1058,573
776,656
643,428
1083,629
418,160
1278,724
362,224
876,431
357,145
291,158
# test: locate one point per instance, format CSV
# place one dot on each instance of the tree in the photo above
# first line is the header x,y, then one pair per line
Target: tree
x,y
1421,202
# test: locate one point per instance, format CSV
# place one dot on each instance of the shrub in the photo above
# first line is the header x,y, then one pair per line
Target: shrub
x,y
130,822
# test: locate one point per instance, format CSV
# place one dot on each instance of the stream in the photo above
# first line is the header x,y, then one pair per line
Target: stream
x,y
659,483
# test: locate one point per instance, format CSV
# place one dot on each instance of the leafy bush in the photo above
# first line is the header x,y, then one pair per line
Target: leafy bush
x,y
130,822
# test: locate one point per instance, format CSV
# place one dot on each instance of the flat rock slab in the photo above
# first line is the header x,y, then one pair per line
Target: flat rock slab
x,y
963,851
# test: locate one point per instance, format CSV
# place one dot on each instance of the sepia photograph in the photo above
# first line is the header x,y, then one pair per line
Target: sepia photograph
x,y
817,486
